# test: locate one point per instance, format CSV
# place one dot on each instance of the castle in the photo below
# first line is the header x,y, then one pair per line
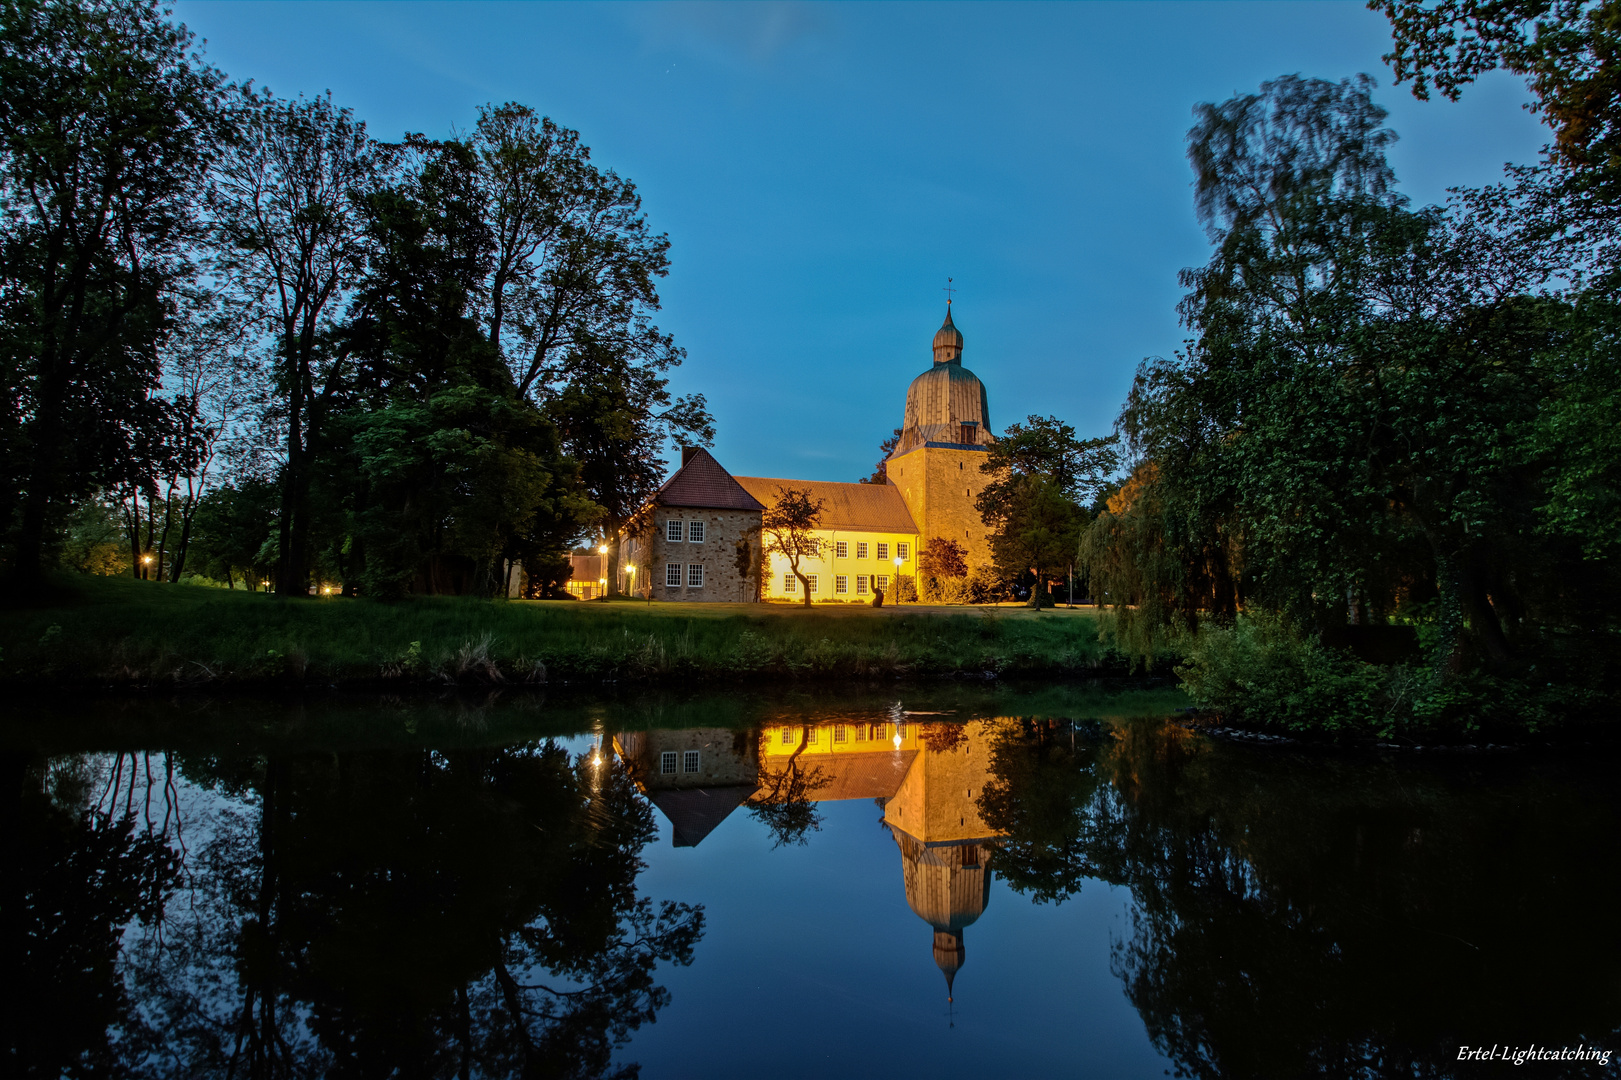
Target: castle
x,y
700,537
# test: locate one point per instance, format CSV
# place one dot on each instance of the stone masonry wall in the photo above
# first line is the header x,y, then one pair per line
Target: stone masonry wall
x,y
717,554
940,486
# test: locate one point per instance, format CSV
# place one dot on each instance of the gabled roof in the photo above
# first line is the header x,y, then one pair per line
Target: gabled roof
x,y
864,507
694,812
701,482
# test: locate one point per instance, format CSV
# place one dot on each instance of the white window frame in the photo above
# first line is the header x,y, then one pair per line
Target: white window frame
x,y
883,551
672,531
667,763
813,734
815,583
695,532
787,736
904,551
672,575
695,575
790,584
861,584
841,549
883,582
689,761
841,584
838,733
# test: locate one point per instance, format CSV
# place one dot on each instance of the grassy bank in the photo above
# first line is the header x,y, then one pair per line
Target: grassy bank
x,y
119,632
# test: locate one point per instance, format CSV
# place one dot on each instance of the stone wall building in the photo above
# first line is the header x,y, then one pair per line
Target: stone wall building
x,y
699,538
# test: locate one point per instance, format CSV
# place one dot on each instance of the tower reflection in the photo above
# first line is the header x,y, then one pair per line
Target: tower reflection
x,y
927,776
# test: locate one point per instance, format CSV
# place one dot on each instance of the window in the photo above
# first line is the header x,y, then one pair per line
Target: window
x,y
861,584
841,583
903,551
815,582
789,583
811,734
883,582
841,549
861,733
877,732
695,576
900,731
861,550
695,532
667,762
883,551
689,761
672,575
672,531
838,732
787,736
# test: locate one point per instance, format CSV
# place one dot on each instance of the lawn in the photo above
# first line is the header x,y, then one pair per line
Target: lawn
x,y
122,632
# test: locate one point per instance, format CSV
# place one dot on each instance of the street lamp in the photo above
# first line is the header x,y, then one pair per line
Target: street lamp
x,y
898,562
602,550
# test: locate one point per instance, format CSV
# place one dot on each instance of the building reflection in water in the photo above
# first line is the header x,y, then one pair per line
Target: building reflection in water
x,y
928,777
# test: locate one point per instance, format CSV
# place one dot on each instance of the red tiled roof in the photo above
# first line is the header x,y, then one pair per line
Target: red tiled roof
x,y
702,482
875,775
867,507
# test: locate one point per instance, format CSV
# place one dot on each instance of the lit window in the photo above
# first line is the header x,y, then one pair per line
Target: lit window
x,y
667,762
790,583
877,732
841,583
695,532
814,580
883,551
811,735
695,576
838,732
672,531
900,731
841,549
689,761
903,551
787,736
861,549
861,584
883,582
672,575
861,733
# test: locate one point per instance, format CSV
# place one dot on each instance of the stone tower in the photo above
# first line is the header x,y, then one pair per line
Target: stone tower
x,y
944,439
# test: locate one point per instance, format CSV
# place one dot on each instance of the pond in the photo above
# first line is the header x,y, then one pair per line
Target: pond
x,y
937,881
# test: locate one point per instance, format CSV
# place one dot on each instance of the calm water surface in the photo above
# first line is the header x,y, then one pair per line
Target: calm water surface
x,y
939,882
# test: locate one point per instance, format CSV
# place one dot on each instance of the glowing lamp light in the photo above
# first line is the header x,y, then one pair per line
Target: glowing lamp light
x,y
897,740
146,559
603,550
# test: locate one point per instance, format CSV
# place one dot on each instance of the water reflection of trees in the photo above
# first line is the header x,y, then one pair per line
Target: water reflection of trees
x,y
1296,916
420,913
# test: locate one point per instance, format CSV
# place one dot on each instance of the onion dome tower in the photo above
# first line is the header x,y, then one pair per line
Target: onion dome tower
x,y
946,405
947,886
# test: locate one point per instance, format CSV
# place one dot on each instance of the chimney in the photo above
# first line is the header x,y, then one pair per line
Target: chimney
x,y
686,454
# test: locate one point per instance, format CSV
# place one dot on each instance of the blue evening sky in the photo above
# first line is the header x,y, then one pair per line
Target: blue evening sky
x,y
821,169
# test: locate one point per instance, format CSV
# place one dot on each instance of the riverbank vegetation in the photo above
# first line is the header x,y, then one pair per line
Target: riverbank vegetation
x,y
1378,494
121,633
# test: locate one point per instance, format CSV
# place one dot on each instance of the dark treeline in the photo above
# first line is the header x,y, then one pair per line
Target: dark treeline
x,y
1392,429
246,340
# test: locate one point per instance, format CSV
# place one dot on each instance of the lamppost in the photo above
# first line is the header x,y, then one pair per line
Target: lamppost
x,y
898,563
630,581
602,550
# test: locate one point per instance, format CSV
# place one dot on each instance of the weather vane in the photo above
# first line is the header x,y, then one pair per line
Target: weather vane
x,y
948,290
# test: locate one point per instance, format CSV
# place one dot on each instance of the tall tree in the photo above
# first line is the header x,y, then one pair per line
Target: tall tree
x,y
288,209
107,126
616,415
